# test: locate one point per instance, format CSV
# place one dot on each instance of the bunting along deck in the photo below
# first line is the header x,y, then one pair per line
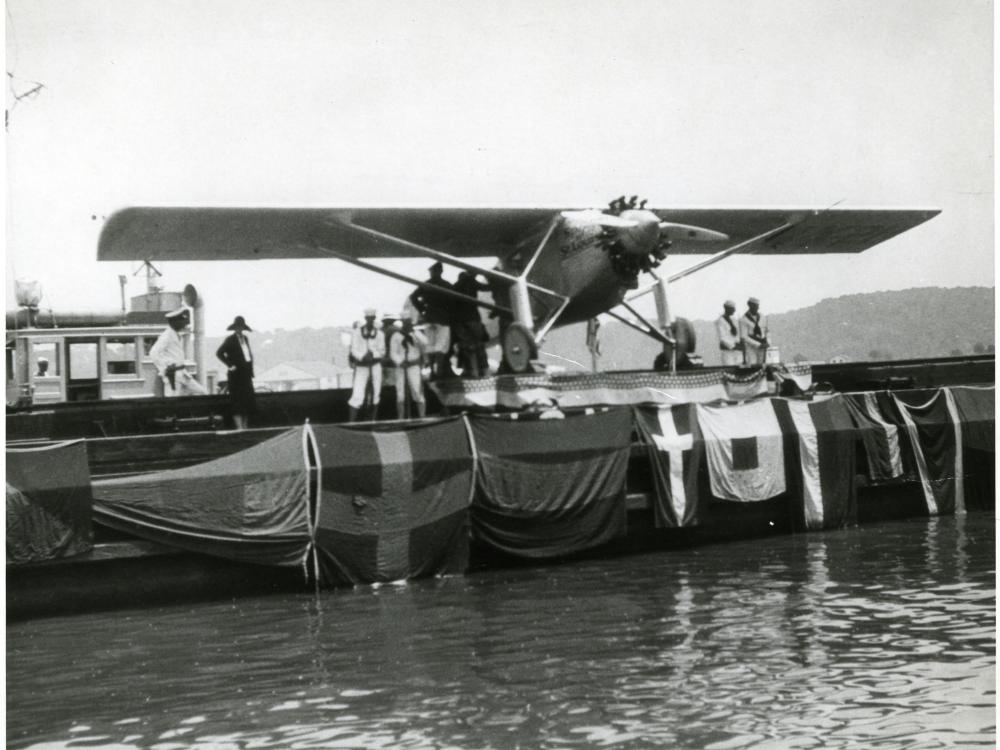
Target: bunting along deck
x,y
612,388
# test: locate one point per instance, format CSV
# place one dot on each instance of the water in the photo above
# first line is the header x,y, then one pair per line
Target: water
x,y
878,637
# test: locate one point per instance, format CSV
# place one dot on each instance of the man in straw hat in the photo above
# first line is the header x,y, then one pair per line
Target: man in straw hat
x,y
236,355
752,336
730,349
168,356
367,353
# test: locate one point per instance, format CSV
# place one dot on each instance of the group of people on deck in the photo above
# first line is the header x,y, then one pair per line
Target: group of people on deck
x,y
743,340
433,326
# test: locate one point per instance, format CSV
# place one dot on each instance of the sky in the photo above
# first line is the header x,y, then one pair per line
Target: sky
x,y
501,104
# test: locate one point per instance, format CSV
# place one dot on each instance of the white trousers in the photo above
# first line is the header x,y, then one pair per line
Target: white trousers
x,y
362,373
754,355
409,375
184,385
731,357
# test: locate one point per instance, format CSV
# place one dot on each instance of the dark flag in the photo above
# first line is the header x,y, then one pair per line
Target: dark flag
x,y
935,431
675,455
393,504
550,487
48,502
251,506
825,439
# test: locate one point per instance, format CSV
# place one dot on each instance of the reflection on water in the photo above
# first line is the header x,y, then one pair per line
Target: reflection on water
x,y
878,637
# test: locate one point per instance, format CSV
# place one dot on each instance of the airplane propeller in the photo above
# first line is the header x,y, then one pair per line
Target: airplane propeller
x,y
636,240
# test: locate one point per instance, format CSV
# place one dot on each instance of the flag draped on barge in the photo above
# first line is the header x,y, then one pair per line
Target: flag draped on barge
x,y
48,502
550,487
251,506
752,452
393,503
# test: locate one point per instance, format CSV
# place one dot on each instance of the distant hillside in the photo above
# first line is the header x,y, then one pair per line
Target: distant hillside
x,y
924,322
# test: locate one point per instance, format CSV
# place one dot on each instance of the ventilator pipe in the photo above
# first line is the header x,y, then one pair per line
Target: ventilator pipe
x,y
29,318
200,353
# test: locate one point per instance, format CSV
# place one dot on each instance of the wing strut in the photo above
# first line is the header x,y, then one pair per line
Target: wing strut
x,y
422,284
520,302
721,255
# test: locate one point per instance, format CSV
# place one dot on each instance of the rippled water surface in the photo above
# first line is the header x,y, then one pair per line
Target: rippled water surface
x,y
877,637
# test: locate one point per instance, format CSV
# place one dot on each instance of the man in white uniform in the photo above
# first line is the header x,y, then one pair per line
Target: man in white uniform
x,y
729,337
367,353
168,356
752,335
406,350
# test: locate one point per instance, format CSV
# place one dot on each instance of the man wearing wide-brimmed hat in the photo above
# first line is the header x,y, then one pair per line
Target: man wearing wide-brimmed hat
x,y
168,356
236,355
753,336
367,353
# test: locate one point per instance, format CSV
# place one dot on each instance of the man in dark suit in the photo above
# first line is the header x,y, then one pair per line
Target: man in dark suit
x,y
235,354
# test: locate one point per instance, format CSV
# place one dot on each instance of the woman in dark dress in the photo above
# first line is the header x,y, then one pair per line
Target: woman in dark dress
x,y
235,354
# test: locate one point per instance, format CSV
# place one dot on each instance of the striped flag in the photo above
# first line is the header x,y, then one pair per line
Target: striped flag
x,y
675,455
879,436
935,430
825,446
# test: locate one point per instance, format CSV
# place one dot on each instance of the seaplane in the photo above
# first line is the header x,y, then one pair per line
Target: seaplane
x,y
554,266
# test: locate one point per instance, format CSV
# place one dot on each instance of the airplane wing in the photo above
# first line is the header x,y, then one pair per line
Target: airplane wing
x,y
281,233
830,230
179,234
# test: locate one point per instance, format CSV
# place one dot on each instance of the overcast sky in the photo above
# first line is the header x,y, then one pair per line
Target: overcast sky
x,y
719,103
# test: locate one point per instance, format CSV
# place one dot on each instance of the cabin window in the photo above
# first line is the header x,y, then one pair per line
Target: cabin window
x,y
83,361
45,359
147,344
120,356
10,364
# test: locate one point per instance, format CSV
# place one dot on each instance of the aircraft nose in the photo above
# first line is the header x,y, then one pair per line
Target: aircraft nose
x,y
643,238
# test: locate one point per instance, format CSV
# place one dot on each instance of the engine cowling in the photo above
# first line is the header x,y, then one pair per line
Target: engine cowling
x,y
633,239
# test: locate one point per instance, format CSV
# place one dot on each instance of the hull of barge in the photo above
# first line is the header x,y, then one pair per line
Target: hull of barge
x,y
123,572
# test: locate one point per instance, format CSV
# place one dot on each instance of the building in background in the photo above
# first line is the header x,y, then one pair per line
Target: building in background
x,y
303,375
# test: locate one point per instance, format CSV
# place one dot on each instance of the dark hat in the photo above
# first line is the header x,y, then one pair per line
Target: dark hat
x,y
753,301
729,303
437,266
180,312
238,324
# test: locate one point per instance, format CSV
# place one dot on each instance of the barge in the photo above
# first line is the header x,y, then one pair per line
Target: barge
x,y
134,559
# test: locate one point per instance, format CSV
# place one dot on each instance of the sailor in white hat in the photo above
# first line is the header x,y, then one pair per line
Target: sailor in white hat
x,y
367,352
407,349
753,336
168,356
729,336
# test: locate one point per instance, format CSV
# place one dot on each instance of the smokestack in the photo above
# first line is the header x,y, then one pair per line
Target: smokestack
x,y
193,300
